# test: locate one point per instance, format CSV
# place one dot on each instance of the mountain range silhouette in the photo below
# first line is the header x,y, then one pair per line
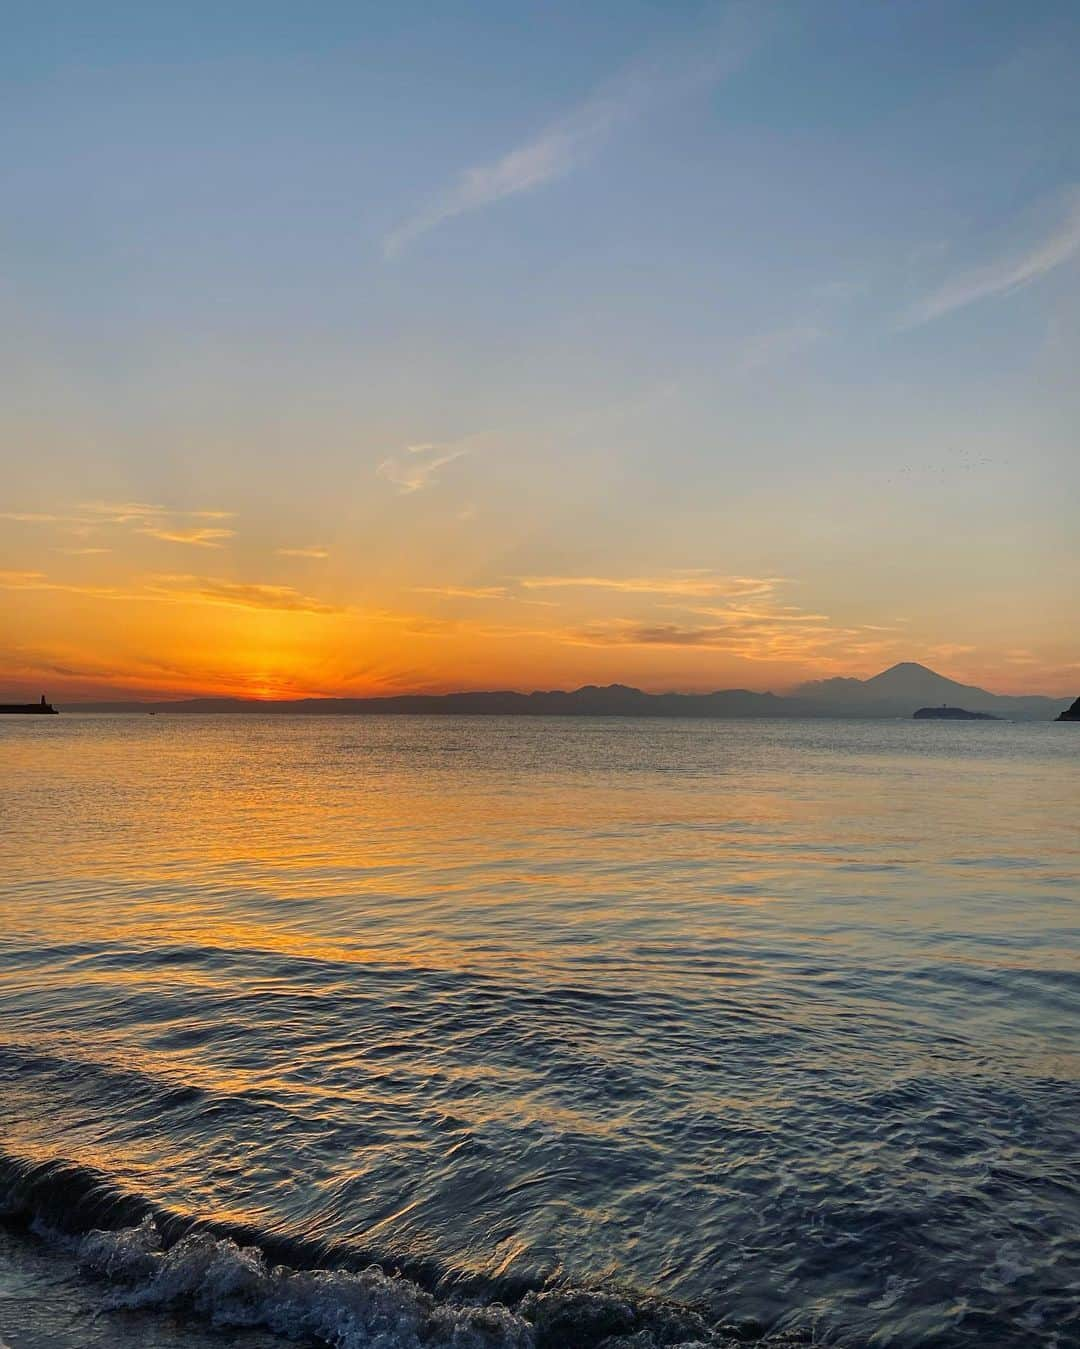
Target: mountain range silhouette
x,y
896,692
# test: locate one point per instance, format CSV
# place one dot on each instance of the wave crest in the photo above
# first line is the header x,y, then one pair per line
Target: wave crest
x,y
153,1259
233,1285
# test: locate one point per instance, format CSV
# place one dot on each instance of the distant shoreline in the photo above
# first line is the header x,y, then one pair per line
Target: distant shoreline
x,y
900,691
285,710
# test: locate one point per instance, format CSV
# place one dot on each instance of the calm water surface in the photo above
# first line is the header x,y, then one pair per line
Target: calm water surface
x,y
777,1019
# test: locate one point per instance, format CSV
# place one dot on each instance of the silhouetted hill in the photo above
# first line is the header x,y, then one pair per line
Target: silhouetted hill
x,y
1071,713
897,692
900,690
590,701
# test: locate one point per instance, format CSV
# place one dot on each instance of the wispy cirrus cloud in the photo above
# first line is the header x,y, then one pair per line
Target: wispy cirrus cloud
x,y
179,589
197,528
128,512
39,580
623,632
198,537
38,518
312,550
464,592
21,580
237,594
415,467
772,627
552,154
119,512
749,637
742,616
571,141
1005,274
691,584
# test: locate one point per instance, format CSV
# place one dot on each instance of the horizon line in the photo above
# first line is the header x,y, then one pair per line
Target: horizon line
x,y
794,693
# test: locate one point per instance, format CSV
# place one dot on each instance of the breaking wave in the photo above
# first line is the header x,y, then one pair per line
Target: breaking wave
x,y
151,1259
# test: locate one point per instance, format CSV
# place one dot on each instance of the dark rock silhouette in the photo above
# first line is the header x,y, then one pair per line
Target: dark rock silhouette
x,y
944,713
1071,713
41,709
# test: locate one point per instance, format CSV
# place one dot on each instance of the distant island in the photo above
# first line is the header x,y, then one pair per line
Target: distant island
x,y
1071,713
897,692
944,713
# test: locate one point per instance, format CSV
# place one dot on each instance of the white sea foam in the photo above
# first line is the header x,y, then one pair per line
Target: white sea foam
x,y
234,1286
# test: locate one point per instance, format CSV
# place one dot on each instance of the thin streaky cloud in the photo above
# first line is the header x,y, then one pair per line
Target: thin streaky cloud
x,y
195,538
96,514
756,640
142,512
553,154
122,512
312,550
186,590
693,584
415,467
741,614
38,580
39,518
238,595
1005,274
19,580
464,592
571,141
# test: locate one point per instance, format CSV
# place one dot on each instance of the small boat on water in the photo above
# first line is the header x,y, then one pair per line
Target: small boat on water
x,y
42,709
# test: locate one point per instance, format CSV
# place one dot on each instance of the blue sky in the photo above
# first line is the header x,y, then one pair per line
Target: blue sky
x,y
772,291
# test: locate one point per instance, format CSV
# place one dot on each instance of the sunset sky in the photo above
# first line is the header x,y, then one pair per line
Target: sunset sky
x,y
353,348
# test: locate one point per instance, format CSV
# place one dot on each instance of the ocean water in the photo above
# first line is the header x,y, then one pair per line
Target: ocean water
x,y
490,1032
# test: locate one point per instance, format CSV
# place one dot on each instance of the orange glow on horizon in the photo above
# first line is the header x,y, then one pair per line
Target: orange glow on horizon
x,y
111,624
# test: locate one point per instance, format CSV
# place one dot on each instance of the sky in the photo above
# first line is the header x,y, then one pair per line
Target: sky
x,y
355,348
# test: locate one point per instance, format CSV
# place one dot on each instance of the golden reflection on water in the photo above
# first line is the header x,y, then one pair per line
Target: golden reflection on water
x,y
667,1000
369,839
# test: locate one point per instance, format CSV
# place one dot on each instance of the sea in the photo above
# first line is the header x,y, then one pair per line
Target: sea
x,y
510,1033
